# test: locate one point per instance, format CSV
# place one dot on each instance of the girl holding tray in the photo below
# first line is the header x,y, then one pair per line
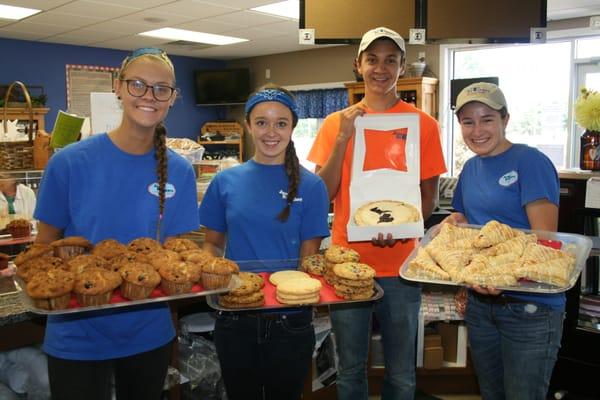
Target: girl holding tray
x,y
269,208
120,185
514,337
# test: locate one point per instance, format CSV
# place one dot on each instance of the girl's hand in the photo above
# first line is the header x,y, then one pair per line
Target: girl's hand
x,y
486,290
389,241
455,218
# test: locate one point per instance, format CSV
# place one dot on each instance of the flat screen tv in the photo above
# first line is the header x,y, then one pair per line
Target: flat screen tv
x,y
221,86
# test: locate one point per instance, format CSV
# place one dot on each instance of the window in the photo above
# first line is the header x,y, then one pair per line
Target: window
x,y
536,82
304,136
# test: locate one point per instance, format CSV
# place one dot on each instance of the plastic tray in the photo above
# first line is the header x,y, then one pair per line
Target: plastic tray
x,y
118,301
576,244
265,268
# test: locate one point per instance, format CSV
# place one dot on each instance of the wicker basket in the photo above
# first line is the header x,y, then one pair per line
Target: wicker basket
x,y
19,154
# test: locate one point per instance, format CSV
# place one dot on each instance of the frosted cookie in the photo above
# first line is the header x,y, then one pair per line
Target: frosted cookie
x,y
386,212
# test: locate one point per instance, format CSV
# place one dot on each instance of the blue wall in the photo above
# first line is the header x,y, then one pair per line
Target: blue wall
x,y
43,64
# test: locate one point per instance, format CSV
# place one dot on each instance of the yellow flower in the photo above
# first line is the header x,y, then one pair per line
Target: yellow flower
x,y
587,110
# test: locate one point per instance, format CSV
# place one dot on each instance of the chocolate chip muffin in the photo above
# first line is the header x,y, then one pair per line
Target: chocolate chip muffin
x,y
143,245
71,247
179,277
139,280
51,290
95,286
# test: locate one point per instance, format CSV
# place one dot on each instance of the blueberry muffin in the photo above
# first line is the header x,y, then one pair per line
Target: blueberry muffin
x,y
51,290
179,277
217,273
109,248
179,244
85,261
34,251
139,280
127,257
71,247
33,266
159,258
95,286
143,245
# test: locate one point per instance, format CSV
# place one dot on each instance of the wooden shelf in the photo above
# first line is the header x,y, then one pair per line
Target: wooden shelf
x,y
225,129
424,88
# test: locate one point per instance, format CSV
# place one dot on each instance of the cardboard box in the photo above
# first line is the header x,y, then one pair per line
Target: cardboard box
x,y
432,340
454,341
433,357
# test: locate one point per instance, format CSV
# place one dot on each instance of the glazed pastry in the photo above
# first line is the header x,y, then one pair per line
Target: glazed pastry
x,y
423,266
515,245
555,271
493,233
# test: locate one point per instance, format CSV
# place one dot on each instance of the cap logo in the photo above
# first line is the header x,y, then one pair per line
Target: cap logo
x,y
479,90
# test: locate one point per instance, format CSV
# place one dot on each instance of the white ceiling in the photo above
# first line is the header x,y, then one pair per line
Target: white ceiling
x,y
115,24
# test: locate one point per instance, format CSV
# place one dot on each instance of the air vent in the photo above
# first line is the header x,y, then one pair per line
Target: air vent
x,y
187,45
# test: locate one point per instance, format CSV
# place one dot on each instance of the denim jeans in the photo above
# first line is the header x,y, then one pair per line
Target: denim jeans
x,y
514,347
397,314
264,355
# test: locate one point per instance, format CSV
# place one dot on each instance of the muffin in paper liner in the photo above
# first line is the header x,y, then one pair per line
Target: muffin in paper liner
x,y
95,286
217,273
139,280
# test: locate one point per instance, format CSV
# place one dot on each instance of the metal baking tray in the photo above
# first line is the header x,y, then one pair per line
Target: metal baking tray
x,y
117,300
576,244
265,268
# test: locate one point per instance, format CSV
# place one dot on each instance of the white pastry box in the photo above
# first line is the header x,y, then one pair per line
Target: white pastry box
x,y
385,193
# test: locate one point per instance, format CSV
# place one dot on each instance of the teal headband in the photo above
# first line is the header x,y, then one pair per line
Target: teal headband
x,y
273,95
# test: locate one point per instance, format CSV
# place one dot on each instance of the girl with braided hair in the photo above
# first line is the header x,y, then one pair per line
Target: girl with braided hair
x,y
120,185
269,208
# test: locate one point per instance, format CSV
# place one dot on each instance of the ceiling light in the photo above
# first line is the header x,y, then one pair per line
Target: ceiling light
x,y
289,9
191,36
12,12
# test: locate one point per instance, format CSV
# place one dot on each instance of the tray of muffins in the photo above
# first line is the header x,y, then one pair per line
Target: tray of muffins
x,y
71,275
334,277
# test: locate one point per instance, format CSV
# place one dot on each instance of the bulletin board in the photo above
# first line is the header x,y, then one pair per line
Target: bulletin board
x,y
83,80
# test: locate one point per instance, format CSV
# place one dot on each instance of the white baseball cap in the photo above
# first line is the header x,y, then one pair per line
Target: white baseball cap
x,y
483,92
377,33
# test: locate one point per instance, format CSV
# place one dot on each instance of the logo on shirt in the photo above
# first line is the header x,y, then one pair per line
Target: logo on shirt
x,y
284,196
169,190
509,178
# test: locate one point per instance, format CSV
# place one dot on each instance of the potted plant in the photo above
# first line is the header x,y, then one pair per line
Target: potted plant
x,y
587,115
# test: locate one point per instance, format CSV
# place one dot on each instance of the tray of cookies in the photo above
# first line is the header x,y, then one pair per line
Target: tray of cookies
x,y
71,275
298,282
499,256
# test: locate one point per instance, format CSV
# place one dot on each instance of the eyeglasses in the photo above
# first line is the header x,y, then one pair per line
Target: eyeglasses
x,y
138,88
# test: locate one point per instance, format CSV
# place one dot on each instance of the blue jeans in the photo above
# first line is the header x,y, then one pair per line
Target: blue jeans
x,y
264,355
514,347
397,314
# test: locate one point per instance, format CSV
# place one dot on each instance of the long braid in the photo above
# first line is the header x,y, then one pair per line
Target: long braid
x,y
292,170
160,146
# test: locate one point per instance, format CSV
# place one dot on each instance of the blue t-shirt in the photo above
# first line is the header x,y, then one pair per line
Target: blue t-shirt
x,y
243,202
95,190
499,187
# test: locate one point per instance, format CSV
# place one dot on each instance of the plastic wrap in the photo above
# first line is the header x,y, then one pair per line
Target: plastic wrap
x,y
199,363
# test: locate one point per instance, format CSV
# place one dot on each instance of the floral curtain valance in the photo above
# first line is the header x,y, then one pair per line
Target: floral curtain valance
x,y
319,103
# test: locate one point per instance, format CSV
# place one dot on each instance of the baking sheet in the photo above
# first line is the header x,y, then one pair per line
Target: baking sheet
x,y
576,244
117,300
327,294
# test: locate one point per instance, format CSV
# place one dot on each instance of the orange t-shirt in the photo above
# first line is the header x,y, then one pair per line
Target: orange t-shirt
x,y
387,260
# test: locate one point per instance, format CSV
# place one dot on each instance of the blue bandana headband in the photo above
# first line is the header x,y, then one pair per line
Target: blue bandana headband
x,y
272,95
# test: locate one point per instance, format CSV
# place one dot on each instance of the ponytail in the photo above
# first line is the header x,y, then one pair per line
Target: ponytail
x,y
160,146
292,170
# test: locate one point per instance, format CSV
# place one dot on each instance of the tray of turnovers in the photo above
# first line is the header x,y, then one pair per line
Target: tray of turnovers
x,y
498,256
336,276
71,275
